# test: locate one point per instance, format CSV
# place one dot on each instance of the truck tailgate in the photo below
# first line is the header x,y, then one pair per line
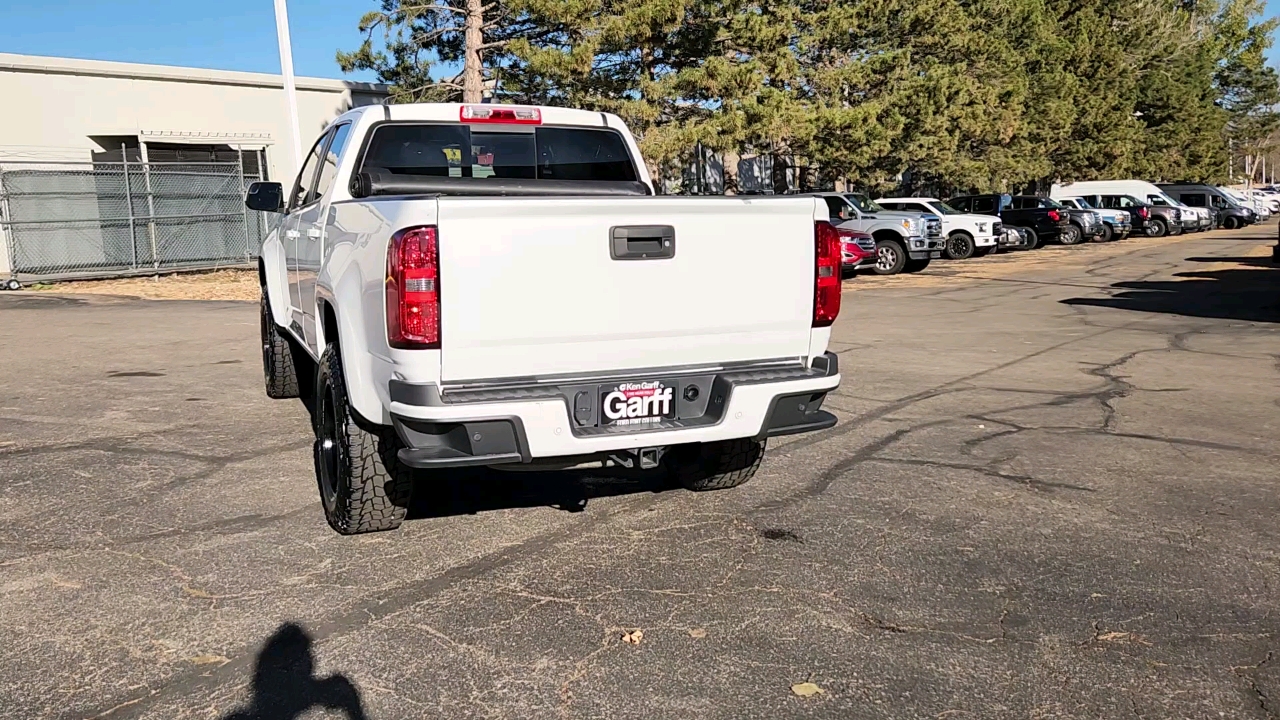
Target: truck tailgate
x,y
531,286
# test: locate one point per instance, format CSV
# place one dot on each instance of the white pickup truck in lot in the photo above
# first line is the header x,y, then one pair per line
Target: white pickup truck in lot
x,y
492,285
967,235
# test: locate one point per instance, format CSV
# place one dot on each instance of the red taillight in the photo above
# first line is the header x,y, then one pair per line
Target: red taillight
x,y
500,114
413,289
826,279
1054,215
1143,213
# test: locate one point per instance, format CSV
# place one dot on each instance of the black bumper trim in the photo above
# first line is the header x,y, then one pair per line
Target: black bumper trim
x,y
426,459
461,443
796,413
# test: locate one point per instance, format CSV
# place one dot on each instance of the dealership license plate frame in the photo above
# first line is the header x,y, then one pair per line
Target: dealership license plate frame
x,y
638,404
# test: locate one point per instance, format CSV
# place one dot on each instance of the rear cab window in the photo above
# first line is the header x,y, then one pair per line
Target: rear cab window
x,y
509,152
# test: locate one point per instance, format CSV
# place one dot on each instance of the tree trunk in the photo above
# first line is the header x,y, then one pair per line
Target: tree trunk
x,y
472,72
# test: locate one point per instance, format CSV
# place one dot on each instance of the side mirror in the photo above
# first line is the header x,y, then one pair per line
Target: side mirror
x,y
265,196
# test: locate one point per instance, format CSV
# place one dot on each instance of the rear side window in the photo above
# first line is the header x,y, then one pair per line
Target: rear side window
x,y
1194,199
985,205
545,153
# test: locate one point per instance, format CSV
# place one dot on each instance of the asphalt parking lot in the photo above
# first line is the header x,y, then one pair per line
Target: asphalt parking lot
x,y
1053,493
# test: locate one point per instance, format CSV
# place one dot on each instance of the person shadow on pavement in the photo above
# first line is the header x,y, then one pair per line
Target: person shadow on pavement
x,y
285,685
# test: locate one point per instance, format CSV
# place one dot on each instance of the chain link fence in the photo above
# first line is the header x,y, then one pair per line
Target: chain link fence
x,y
91,219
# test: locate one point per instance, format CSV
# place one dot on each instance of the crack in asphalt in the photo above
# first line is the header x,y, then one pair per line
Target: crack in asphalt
x,y
401,598
1263,700
391,601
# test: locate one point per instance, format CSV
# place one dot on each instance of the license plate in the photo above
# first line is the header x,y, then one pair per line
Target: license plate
x,y
637,403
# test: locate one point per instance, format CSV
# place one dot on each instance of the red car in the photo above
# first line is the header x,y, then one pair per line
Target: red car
x,y
857,250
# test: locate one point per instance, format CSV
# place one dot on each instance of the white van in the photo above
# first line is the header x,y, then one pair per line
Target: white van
x,y
1145,191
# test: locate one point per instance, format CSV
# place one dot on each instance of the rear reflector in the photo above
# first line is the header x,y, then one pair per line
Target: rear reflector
x,y
500,114
826,275
413,289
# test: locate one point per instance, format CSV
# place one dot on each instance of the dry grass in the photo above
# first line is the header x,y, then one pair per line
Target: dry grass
x,y
243,284
215,285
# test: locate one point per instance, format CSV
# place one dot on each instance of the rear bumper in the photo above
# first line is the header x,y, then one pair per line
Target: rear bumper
x,y
559,420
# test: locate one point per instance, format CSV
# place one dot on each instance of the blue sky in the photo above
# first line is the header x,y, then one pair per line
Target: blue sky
x,y
223,34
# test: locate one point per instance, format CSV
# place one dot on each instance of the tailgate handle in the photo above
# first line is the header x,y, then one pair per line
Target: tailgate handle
x,y
642,242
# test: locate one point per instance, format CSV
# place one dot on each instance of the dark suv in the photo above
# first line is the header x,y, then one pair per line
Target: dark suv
x,y
1229,213
1041,224
1150,220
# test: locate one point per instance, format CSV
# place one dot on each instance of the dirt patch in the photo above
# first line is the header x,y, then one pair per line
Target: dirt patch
x,y
216,285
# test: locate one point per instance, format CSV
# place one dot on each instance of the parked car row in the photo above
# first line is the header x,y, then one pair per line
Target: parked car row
x,y
903,234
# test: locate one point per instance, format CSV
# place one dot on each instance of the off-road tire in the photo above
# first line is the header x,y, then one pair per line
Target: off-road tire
x,y
891,256
279,356
363,485
960,246
915,266
1157,228
1073,235
1107,234
716,465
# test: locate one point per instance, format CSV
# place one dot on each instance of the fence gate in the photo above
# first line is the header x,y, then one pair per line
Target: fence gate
x,y
102,218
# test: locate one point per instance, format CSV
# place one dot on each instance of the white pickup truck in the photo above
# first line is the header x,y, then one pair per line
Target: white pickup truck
x,y
967,234
495,285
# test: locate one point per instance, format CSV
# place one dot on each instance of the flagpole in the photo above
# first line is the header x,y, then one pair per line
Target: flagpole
x,y
290,90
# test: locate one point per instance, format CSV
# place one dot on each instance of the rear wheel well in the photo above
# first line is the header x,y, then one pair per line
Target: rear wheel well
x,y
328,323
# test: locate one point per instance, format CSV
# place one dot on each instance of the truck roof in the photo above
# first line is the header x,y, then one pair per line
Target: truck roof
x,y
452,112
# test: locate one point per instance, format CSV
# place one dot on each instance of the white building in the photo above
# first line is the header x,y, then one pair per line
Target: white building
x,y
59,109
